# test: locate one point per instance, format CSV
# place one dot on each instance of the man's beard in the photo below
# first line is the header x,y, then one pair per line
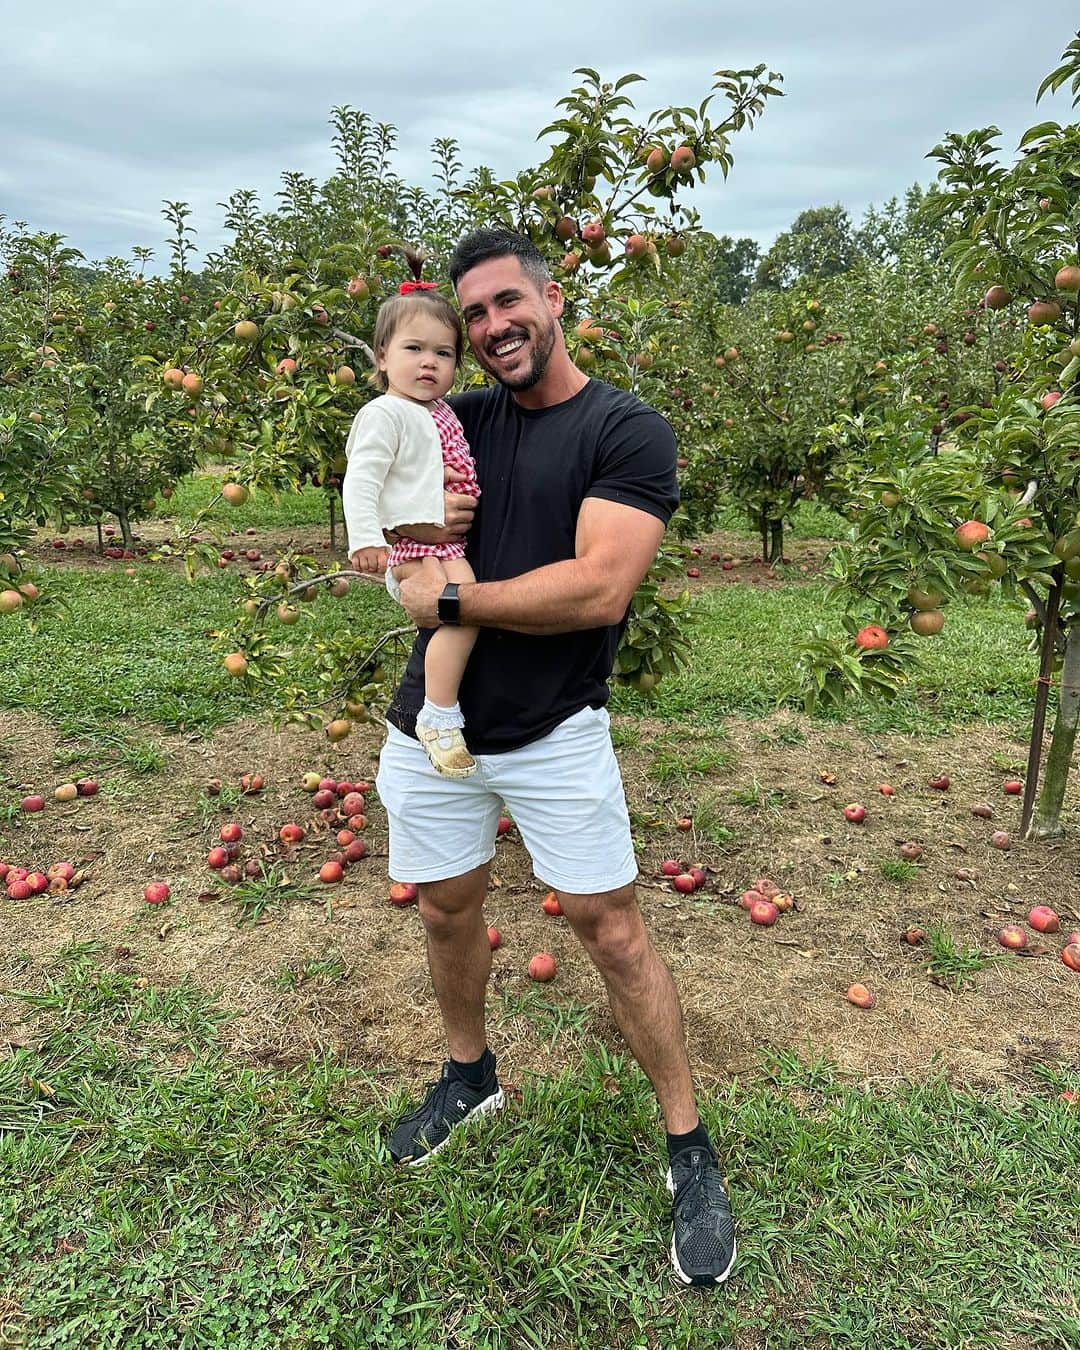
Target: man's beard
x,y
542,347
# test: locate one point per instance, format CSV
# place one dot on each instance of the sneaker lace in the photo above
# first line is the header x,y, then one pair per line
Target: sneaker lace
x,y
433,1107
702,1192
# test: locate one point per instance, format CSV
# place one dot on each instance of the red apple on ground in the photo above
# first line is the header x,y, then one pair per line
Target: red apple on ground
x,y
35,802
230,833
764,912
887,790
684,823
698,875
1000,839
940,782
505,824
684,883
983,810
61,870
1071,956
355,851
914,936
1013,937
494,938
542,967
217,858
352,804
550,905
671,867
855,813
766,887
331,873
37,881
19,890
860,996
156,893
1012,787
323,798
404,893
291,833
1043,919
345,837
911,852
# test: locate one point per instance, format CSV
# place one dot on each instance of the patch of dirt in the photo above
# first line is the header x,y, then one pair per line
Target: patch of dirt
x,y
724,558
743,987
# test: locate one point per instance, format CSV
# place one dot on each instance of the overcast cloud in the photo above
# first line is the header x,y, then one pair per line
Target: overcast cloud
x,y
110,110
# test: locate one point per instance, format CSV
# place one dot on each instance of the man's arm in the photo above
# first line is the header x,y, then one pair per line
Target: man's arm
x,y
614,548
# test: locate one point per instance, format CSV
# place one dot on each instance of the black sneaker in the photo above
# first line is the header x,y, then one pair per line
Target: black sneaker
x,y
449,1103
703,1243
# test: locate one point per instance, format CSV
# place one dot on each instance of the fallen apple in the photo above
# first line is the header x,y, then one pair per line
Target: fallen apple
x,y
1012,787
940,782
156,892
291,833
766,888
35,802
494,938
860,996
345,837
310,782
887,790
855,813
542,967
550,905
66,792
1000,839
914,936
217,858
911,852
764,912
1043,919
505,824
983,810
355,851
1013,937
331,873
684,883
671,867
404,893
230,833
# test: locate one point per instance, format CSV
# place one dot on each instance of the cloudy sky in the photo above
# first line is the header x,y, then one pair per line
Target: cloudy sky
x,y
112,108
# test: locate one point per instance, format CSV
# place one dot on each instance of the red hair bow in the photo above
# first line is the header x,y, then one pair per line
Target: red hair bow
x,y
407,286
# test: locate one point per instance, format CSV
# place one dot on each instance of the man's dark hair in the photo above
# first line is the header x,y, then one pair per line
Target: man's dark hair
x,y
481,245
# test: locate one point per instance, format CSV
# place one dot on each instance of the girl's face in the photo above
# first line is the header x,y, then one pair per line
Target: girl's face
x,y
420,360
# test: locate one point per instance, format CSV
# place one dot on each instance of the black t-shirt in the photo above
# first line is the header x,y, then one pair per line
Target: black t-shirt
x,y
535,468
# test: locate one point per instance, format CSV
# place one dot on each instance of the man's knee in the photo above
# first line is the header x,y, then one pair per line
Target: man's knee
x,y
611,929
446,906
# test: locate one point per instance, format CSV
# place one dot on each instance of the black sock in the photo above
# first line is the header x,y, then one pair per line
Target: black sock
x,y
698,1137
477,1072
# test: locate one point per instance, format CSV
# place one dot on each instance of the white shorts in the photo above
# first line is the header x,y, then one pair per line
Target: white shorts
x,y
564,792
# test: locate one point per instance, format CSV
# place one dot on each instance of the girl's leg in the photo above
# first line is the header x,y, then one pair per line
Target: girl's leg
x,y
439,723
449,649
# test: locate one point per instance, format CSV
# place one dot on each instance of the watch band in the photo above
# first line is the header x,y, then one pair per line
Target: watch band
x,y
449,607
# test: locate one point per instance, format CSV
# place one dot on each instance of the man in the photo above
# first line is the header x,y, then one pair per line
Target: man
x,y
578,484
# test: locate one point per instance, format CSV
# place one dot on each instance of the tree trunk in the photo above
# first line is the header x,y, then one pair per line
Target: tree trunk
x,y
125,527
332,495
763,526
100,539
1047,650
776,546
1047,821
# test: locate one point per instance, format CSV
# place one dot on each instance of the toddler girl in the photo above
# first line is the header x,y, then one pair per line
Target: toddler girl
x,y
397,448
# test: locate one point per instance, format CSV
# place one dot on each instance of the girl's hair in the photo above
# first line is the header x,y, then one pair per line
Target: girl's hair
x,y
393,313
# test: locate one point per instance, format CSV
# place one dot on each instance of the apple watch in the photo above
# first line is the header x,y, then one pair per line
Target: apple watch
x,y
449,605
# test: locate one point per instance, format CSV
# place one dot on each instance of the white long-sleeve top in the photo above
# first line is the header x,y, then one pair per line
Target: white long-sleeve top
x,y
395,471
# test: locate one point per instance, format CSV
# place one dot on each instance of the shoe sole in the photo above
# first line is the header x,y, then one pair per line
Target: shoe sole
x,y
493,1103
705,1281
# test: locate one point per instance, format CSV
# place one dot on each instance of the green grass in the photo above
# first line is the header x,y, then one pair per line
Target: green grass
x,y
744,655
951,965
139,649
897,869
309,506
154,1193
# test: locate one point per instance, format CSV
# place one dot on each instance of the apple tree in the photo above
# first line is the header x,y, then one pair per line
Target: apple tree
x,y
999,510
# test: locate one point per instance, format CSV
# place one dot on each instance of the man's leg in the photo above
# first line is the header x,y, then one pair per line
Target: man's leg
x,y
459,957
442,835
644,1001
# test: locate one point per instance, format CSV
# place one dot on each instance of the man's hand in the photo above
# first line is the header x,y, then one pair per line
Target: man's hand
x,y
420,593
458,511
370,559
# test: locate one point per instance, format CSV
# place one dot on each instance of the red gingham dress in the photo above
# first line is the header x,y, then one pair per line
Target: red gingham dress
x,y
455,455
